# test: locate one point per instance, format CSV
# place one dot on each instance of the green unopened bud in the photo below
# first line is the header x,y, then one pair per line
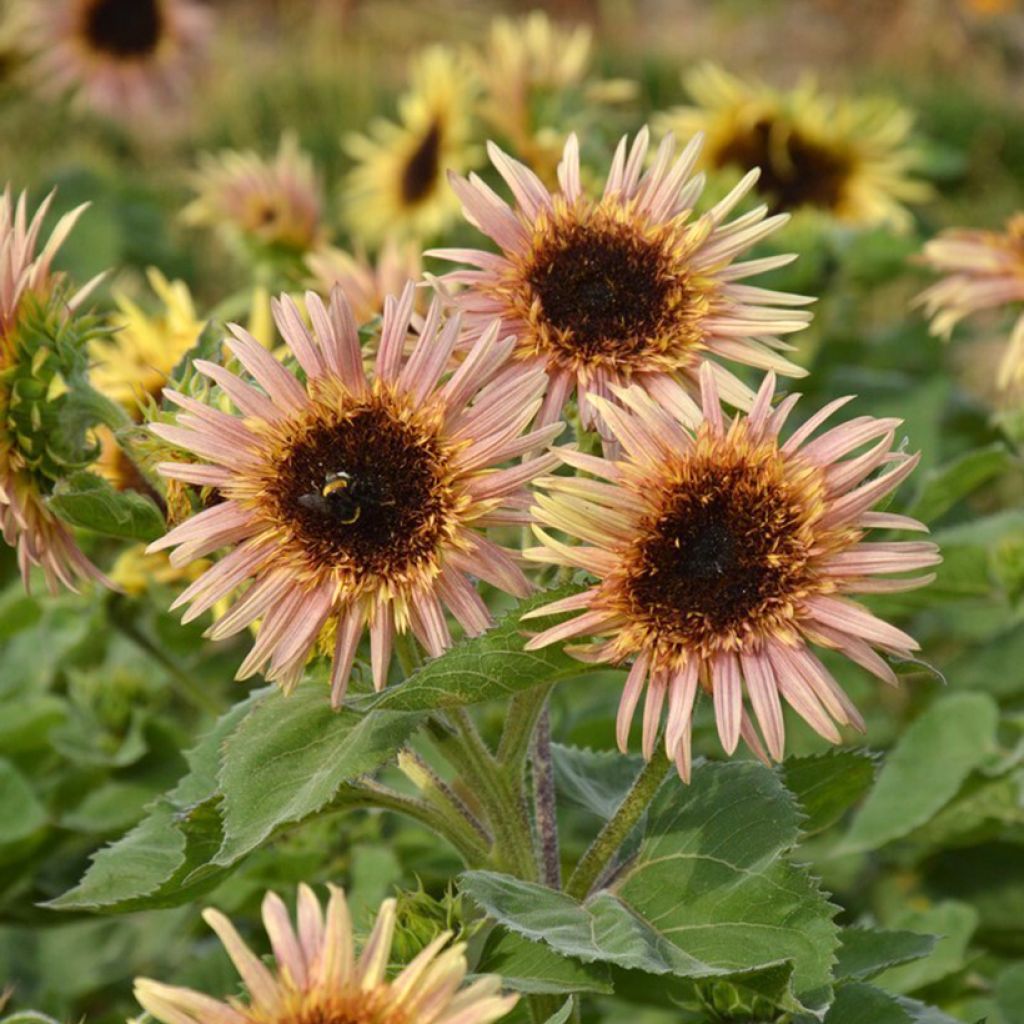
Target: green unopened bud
x,y
422,917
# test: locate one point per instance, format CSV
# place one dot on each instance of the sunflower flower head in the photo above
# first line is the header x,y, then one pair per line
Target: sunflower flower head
x,y
982,270
398,183
364,282
126,59
631,286
136,360
318,975
849,159
356,498
535,78
43,362
271,205
722,552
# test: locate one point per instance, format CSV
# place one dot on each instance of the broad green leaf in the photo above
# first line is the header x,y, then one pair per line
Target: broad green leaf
x,y
204,758
111,808
483,668
289,758
982,809
26,722
944,486
1010,994
18,611
534,967
86,500
866,952
164,861
27,1017
858,1003
827,785
925,769
709,892
22,815
954,923
595,780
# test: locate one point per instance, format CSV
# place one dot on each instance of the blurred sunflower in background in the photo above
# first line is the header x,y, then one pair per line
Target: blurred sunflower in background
x,y
983,270
271,206
851,159
529,69
122,58
398,184
364,282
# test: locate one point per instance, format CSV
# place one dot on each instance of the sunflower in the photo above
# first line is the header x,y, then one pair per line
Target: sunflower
x,y
722,552
531,70
124,58
356,498
398,184
363,282
274,203
851,159
134,363
983,270
317,975
42,352
629,286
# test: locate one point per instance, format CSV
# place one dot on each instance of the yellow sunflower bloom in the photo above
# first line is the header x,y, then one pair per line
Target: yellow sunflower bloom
x,y
398,185
850,159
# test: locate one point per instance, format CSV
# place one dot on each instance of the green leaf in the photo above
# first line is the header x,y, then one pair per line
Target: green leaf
x,y
289,758
711,872
944,486
22,816
866,952
534,967
595,780
1010,994
828,784
86,500
954,923
164,861
26,722
858,1003
111,808
494,665
925,769
562,1015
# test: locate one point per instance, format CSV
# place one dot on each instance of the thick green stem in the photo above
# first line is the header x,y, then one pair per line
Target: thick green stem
x,y
523,711
609,840
466,751
437,793
368,793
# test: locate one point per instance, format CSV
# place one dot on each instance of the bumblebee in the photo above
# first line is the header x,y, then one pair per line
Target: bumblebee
x,y
343,498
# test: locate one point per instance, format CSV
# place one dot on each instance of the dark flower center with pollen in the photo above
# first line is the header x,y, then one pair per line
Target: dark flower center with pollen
x,y
726,552
124,28
364,492
606,290
420,172
795,171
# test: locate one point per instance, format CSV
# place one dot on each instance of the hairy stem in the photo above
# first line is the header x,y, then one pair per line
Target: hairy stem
x,y
544,800
462,746
369,793
618,827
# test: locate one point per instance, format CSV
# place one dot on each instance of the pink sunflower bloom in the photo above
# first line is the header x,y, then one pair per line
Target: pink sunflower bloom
x,y
26,277
357,498
722,552
983,270
319,977
123,58
629,287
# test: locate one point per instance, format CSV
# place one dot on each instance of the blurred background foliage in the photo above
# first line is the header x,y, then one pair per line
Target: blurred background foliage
x,y
100,693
